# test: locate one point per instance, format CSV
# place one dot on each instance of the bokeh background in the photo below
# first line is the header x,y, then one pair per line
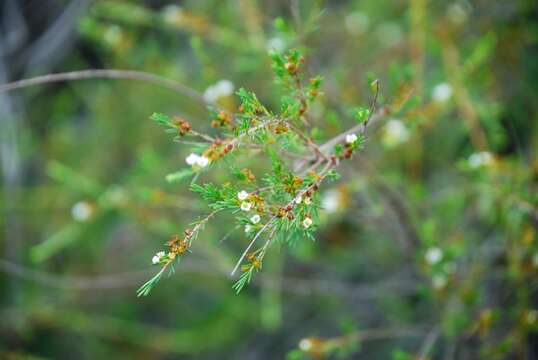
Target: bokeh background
x,y
427,247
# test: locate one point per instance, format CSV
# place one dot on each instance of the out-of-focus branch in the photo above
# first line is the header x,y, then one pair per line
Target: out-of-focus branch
x,y
451,59
292,285
105,74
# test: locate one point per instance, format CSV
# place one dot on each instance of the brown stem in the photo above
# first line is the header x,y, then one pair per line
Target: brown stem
x,y
104,74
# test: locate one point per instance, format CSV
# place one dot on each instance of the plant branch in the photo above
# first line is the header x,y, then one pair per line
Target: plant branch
x,y
105,74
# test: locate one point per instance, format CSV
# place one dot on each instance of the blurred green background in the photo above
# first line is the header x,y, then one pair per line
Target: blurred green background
x,y
428,246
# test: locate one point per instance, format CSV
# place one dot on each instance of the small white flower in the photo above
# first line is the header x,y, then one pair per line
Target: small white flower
x,y
457,13
439,281
330,201
305,345
298,200
483,158
192,159
202,161
225,87
395,133
248,228
113,35
442,92
276,44
157,257
351,138
255,219
357,23
173,15
307,222
307,201
218,90
242,195
433,255
81,211
246,206
389,33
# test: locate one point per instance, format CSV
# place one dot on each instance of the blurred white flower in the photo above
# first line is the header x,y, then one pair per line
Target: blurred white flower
x,y
395,133
351,138
307,201
202,161
298,200
433,255
113,35
442,92
307,222
330,200
255,219
192,159
246,206
242,195
248,228
389,33
357,23
218,90
305,345
457,13
157,257
480,159
173,14
276,44
81,211
439,281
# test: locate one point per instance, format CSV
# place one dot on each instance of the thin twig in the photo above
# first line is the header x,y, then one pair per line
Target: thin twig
x,y
105,74
428,343
274,217
252,244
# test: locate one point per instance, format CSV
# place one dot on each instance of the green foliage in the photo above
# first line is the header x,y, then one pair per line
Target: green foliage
x,y
179,176
426,241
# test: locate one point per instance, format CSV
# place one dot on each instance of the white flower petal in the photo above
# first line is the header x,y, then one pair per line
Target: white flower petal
x,y
330,201
81,211
246,206
276,44
483,158
395,133
351,138
220,89
202,161
442,92
433,255
242,195
307,222
192,159
439,281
